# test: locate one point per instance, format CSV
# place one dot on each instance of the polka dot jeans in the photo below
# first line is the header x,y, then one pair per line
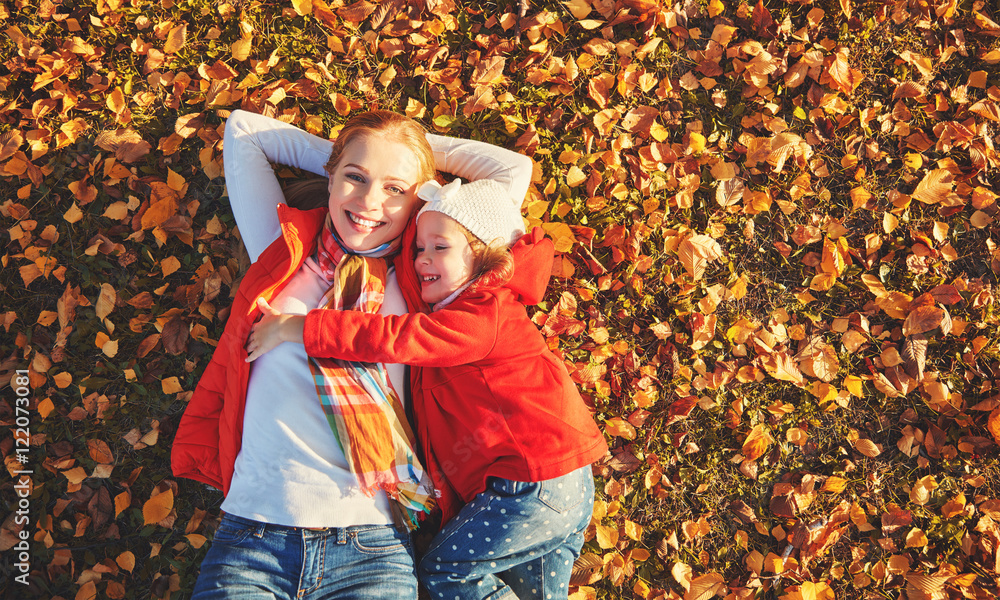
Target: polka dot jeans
x,y
515,540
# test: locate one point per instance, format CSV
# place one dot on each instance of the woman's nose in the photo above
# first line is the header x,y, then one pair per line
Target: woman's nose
x,y
372,198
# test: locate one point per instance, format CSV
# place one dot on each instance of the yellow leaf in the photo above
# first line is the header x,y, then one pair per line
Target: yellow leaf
x,y
175,39
75,475
158,507
241,48
916,538
607,537
302,7
62,380
170,265
106,301
196,540
697,143
696,252
171,385
74,214
175,181
110,348
704,587
715,8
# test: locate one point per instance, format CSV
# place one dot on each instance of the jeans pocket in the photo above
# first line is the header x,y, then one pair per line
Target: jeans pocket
x,y
564,492
233,531
380,540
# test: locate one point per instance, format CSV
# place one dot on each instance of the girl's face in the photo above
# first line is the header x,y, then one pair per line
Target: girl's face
x,y
444,257
373,192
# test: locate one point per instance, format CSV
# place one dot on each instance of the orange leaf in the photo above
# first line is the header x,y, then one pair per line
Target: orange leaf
x,y
867,447
175,39
74,214
158,507
704,587
616,426
87,591
100,452
122,501
935,187
993,424
126,560
757,442
696,252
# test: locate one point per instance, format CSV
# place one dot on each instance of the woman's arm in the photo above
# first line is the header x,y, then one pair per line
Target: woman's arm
x,y
472,160
251,143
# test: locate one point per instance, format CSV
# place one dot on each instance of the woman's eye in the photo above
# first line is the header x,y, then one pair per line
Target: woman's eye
x,y
396,190
356,177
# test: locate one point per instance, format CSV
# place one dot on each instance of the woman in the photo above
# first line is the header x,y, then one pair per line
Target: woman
x,y
307,512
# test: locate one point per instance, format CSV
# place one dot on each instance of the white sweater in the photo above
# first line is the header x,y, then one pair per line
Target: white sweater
x,y
290,469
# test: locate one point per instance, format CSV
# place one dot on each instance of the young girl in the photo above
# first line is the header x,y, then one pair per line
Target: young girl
x,y
502,426
311,496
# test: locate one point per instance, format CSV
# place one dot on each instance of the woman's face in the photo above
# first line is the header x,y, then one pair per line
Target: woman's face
x,y
373,192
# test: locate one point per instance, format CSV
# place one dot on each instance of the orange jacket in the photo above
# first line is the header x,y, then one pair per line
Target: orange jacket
x,y
490,398
210,433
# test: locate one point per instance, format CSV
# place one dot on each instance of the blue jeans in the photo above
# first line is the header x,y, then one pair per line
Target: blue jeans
x,y
250,560
513,541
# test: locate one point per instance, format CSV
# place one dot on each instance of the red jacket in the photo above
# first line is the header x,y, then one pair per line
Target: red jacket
x,y
490,398
210,433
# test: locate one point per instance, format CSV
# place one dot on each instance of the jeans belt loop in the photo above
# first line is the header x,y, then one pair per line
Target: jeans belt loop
x,y
341,535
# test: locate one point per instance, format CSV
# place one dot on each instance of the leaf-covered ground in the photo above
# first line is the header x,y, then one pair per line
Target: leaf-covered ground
x,y
776,279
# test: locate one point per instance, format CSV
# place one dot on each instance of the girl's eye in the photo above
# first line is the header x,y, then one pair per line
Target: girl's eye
x,y
419,249
396,190
440,248
355,177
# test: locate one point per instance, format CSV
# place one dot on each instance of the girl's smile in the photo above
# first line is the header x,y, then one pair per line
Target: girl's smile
x,y
444,257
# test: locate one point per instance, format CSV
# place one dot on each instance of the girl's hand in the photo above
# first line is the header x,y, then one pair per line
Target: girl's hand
x,y
273,328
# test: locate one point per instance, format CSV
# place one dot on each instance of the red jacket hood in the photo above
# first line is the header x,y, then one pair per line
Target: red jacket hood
x,y
532,266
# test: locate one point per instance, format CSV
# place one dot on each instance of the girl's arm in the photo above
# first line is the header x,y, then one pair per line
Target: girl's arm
x,y
251,143
459,335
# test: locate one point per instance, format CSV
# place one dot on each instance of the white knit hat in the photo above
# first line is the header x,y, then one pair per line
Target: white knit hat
x,y
482,206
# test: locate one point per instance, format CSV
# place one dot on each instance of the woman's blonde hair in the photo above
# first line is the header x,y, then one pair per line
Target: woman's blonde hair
x,y
390,126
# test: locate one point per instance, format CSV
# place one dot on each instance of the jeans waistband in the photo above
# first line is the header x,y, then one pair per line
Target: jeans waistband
x,y
263,526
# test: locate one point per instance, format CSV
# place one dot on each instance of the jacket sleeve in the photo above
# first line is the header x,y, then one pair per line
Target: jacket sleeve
x,y
463,333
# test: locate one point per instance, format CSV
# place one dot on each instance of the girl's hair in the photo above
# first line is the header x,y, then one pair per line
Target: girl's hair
x,y
492,264
390,126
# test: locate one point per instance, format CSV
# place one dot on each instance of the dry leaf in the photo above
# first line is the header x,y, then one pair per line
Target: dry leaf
x,y
158,507
696,252
867,447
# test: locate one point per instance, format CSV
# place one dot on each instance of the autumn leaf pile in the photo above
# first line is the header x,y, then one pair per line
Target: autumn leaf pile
x,y
775,280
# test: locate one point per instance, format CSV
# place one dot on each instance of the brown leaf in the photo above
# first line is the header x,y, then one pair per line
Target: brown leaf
x,y
729,191
867,447
127,144
586,568
100,452
923,319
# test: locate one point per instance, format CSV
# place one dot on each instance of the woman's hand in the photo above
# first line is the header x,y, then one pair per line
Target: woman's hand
x,y
273,328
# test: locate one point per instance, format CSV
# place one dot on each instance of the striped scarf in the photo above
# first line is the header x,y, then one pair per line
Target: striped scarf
x,y
363,410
